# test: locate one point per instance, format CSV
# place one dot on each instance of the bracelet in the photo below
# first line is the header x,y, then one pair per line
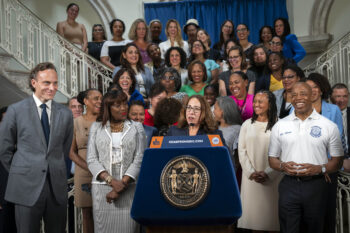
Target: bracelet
x,y
281,166
109,179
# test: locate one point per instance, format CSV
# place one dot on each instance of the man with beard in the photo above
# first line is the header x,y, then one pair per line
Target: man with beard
x,y
157,64
299,147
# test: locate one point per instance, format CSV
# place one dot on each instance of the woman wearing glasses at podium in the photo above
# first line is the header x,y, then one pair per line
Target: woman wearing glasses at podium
x,y
114,156
195,119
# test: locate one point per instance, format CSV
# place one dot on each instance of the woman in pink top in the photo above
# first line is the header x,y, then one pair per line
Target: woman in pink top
x,y
238,86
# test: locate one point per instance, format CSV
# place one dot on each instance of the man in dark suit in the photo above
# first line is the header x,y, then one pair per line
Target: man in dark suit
x,y
35,136
340,97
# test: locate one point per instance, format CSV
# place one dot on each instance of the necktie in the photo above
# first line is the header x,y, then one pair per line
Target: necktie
x,y
45,123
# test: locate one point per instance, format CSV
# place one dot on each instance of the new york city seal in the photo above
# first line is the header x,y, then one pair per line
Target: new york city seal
x,y
184,181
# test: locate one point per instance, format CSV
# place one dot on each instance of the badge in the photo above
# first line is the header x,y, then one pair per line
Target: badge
x,y
184,181
315,131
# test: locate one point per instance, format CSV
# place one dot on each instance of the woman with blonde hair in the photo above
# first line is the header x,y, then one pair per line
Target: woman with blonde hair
x,y
173,33
139,33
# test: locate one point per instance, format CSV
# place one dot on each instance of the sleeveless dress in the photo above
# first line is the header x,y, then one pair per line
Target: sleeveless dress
x,y
82,178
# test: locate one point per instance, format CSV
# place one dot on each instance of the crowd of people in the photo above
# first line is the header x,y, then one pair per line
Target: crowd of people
x,y
285,138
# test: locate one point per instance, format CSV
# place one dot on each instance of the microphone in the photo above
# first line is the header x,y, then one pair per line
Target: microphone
x,y
191,124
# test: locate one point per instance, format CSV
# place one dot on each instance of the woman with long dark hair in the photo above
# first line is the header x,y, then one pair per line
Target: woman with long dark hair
x,y
291,47
131,59
227,31
259,212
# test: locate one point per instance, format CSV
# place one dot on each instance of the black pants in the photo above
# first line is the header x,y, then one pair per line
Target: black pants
x,y
302,201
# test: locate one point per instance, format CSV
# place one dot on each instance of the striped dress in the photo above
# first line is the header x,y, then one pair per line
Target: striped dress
x,y
114,217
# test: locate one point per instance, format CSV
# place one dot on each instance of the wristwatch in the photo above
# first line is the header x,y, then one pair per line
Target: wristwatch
x,y
323,168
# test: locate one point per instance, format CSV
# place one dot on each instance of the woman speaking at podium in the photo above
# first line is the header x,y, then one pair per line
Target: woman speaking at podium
x,y
196,119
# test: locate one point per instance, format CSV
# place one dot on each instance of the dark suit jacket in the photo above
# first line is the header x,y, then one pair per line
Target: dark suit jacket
x,y
348,129
150,132
34,160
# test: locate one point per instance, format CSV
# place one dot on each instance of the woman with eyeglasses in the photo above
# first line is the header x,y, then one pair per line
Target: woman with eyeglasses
x,y
242,31
230,43
98,39
71,30
291,75
195,119
237,62
197,74
112,49
171,80
291,47
199,52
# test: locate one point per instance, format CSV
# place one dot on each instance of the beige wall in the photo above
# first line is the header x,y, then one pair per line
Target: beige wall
x,y
51,12
339,19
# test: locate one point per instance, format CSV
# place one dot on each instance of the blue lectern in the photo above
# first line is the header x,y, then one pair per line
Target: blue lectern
x,y
220,205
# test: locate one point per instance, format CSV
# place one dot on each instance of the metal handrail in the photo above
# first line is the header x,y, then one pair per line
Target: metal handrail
x,y
31,41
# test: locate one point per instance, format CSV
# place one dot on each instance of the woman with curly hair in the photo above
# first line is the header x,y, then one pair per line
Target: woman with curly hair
x,y
125,80
139,33
173,33
167,113
176,57
171,80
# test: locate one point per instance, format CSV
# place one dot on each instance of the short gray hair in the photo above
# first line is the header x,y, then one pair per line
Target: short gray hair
x,y
231,113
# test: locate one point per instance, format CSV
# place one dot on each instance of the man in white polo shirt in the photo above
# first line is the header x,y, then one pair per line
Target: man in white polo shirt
x,y
299,145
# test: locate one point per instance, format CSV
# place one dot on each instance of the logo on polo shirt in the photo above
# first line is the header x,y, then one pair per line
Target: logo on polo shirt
x,y
315,131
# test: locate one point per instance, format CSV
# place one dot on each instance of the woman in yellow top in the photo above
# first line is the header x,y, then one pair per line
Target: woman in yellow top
x,y
275,64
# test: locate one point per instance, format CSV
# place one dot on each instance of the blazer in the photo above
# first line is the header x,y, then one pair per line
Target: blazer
x,y
33,160
147,77
348,125
279,99
99,150
150,132
293,49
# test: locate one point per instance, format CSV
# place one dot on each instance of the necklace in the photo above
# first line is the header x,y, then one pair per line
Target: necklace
x,y
117,127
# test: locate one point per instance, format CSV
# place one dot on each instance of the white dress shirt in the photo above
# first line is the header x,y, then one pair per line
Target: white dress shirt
x,y
40,110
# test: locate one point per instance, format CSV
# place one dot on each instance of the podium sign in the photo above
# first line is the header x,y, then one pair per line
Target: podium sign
x,y
186,181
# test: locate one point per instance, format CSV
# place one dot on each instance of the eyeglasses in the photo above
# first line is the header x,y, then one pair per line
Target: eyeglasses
x,y
288,77
168,77
233,58
197,45
242,30
275,43
227,26
189,108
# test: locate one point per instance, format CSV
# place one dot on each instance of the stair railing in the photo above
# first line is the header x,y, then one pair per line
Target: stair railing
x,y
31,41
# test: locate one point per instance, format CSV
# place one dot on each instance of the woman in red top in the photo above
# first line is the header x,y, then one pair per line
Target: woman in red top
x,y
157,93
